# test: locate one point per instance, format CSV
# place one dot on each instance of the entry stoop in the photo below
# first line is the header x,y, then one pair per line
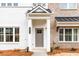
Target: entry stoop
x,y
39,52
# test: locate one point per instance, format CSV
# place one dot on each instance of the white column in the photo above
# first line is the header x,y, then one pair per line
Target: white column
x,y
29,34
48,35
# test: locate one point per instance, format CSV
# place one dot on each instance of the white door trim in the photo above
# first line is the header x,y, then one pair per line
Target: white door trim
x,y
35,37
30,36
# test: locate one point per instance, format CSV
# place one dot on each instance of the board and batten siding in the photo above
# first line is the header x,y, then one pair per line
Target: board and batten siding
x,y
14,17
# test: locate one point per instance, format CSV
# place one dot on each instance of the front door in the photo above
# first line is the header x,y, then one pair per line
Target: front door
x,y
39,37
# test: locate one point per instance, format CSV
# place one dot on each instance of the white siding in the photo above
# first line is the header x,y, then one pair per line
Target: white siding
x,y
14,17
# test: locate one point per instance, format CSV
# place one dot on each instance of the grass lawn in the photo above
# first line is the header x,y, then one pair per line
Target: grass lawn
x,y
16,52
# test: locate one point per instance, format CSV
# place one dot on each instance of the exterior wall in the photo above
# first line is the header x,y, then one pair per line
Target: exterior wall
x,y
69,45
14,17
61,12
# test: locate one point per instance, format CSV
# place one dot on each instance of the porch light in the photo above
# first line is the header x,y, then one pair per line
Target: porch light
x,y
57,29
29,30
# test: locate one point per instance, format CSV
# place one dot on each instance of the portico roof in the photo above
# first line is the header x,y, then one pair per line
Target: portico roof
x,y
39,9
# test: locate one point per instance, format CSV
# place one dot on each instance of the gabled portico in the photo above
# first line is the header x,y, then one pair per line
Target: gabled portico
x,y
39,28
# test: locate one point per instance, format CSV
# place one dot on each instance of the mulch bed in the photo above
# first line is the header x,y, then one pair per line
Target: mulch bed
x,y
16,52
58,51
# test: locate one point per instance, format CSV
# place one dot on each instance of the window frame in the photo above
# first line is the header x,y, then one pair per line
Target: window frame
x,y
9,34
4,33
64,35
9,4
3,4
16,34
68,6
15,4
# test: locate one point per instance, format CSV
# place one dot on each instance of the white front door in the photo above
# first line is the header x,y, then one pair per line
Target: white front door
x,y
39,41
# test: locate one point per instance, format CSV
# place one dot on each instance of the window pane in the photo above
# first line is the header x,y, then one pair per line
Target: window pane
x,y
61,35
9,4
72,5
1,34
9,34
1,38
9,30
16,34
15,4
9,38
16,30
68,34
3,4
1,30
16,38
75,34
63,5
61,31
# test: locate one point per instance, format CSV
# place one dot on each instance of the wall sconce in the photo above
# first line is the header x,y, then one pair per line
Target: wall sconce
x,y
57,29
29,30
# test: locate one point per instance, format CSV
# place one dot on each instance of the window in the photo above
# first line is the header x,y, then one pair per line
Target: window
x,y
16,34
39,31
63,5
9,4
9,34
68,5
3,4
15,4
66,34
75,34
61,35
1,34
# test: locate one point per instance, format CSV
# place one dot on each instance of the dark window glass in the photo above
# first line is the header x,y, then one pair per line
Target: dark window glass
x,y
16,34
15,4
39,31
3,4
9,30
61,35
75,34
16,30
68,34
9,4
1,34
9,34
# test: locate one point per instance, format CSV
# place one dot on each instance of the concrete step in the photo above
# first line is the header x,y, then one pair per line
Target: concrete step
x,y
39,50
39,54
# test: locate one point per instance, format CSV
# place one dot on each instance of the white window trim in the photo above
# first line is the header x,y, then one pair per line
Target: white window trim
x,y
67,7
71,8
13,35
64,36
